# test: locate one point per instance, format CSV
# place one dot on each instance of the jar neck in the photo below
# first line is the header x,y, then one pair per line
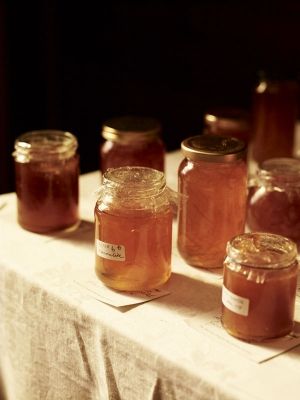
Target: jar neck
x,y
262,250
134,182
280,172
45,145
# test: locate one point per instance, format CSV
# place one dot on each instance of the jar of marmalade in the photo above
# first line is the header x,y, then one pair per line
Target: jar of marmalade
x,y
274,198
133,229
212,205
132,141
46,178
275,110
259,286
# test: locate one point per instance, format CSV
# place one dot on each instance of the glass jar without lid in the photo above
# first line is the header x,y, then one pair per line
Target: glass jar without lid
x,y
132,141
274,198
46,176
133,229
212,182
259,287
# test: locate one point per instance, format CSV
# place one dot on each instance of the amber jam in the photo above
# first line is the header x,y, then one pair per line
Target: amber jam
x,y
46,176
274,198
132,141
275,107
212,206
259,288
133,229
228,121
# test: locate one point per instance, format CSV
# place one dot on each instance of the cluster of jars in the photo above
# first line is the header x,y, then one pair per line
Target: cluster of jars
x,y
215,206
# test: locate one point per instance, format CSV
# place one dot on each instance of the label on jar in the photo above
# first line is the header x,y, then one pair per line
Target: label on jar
x,y
110,251
235,303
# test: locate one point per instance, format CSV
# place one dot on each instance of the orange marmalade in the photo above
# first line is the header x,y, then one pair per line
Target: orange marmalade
x,y
213,191
259,287
46,176
133,229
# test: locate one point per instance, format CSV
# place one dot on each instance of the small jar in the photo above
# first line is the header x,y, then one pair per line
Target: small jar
x,y
133,229
275,110
132,141
228,121
274,198
46,179
212,185
259,287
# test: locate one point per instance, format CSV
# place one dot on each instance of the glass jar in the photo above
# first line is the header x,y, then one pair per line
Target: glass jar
x,y
132,141
46,178
259,286
275,108
212,182
274,198
228,121
133,229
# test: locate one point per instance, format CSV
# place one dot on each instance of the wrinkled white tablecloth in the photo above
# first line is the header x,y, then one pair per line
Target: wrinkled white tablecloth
x,y
58,342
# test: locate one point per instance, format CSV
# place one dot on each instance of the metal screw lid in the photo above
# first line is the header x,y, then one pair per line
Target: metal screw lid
x,y
130,128
214,148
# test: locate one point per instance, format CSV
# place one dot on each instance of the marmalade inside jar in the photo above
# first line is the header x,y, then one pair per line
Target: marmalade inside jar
x,y
212,209
144,254
47,194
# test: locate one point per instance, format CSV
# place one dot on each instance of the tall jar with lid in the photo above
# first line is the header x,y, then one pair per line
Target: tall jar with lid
x,y
275,110
46,179
259,286
133,229
132,141
274,198
212,184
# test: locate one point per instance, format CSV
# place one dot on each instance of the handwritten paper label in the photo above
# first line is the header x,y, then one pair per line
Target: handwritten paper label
x,y
235,303
110,251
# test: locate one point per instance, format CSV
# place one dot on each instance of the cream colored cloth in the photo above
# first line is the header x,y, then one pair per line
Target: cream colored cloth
x,y
58,342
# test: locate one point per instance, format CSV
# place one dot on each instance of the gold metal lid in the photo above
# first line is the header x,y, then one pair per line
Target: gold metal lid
x,y
130,128
214,148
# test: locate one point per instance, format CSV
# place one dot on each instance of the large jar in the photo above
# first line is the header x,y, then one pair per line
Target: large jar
x,y
274,198
212,189
132,141
275,108
133,229
46,176
259,287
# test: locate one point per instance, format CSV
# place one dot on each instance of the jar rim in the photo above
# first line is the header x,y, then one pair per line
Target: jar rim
x,y
137,181
262,250
43,143
283,169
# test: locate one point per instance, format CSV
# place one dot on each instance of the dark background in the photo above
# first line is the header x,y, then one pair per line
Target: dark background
x,y
72,65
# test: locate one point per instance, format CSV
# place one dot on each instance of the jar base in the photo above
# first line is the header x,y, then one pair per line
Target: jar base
x,y
48,229
257,339
117,283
